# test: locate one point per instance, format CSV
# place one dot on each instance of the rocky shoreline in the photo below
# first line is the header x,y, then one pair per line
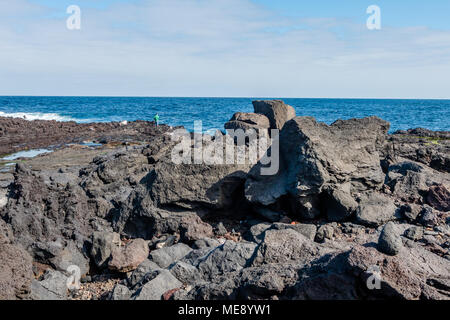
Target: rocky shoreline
x,y
353,213
18,134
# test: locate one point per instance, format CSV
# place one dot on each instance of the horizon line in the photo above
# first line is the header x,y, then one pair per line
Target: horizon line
x,y
216,97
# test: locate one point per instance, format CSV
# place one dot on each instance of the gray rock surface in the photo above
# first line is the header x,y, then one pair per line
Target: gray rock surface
x,y
256,232
410,180
307,230
340,203
375,209
121,292
193,185
220,229
16,272
129,257
145,271
3,197
324,232
282,246
390,241
185,272
166,256
428,217
276,111
53,286
414,233
102,242
226,258
438,197
155,288
410,212
248,121
314,156
70,256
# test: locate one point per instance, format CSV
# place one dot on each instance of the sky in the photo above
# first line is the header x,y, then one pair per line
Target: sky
x,y
226,48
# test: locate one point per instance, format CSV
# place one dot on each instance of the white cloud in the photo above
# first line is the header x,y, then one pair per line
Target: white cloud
x,y
214,48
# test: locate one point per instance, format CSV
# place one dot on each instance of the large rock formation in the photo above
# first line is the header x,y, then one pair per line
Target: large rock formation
x,y
318,158
247,121
193,185
276,110
46,218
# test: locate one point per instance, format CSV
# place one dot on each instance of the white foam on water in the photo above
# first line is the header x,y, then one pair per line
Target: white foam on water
x,y
36,116
26,154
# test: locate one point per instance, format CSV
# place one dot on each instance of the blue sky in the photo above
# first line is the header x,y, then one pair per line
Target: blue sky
x,y
283,48
433,13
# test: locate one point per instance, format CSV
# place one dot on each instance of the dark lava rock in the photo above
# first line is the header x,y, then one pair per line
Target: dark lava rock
x,y
439,198
314,156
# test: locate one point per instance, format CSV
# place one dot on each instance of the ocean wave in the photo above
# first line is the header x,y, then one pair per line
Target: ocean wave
x,y
36,116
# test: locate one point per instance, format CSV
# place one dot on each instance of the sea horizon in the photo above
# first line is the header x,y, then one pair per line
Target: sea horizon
x,y
218,97
403,114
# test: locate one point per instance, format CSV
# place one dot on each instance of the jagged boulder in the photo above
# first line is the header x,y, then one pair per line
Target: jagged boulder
x,y
138,217
102,242
191,185
315,156
6,234
340,203
246,121
165,257
439,198
129,257
307,230
155,288
276,111
253,283
286,245
52,286
397,280
143,273
375,209
226,258
69,256
120,292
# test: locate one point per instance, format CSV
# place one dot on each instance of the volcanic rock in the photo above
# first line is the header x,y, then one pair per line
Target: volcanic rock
x,y
276,111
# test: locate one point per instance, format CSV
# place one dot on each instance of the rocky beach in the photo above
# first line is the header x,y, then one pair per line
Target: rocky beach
x,y
353,213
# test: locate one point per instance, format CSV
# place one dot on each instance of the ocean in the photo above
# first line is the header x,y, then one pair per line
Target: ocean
x,y
214,112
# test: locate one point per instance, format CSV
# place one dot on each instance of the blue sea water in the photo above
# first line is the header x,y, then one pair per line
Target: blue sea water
x,y
214,112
